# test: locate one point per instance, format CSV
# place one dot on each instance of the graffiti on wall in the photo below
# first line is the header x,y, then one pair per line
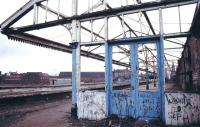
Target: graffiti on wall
x,y
91,105
122,103
182,108
149,104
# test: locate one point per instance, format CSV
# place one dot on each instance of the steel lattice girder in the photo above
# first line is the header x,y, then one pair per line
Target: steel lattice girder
x,y
20,13
123,41
130,9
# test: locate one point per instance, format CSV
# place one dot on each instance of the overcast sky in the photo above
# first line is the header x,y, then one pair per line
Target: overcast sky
x,y
21,57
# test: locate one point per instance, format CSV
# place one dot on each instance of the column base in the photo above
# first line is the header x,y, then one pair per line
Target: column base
x,y
74,111
147,87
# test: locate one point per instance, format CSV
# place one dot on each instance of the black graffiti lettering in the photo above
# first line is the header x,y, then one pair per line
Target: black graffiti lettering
x,y
175,100
183,108
178,108
186,119
174,115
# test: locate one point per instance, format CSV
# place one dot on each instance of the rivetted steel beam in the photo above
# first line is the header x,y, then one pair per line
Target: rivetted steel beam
x,y
130,9
177,35
38,41
20,13
140,39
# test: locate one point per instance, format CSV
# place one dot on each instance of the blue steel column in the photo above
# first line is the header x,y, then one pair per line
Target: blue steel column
x,y
75,58
134,78
108,77
161,66
75,77
108,68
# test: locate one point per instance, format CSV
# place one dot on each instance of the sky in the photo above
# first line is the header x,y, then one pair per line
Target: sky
x,y
22,57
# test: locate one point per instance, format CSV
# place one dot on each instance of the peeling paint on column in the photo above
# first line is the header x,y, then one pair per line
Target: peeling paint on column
x,y
92,105
182,108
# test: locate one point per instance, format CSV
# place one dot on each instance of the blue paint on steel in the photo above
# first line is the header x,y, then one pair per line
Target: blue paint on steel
x,y
149,104
161,69
138,40
74,86
133,102
134,77
122,103
161,79
108,77
125,102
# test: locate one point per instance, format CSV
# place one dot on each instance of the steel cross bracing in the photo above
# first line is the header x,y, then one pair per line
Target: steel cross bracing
x,y
20,13
149,6
110,12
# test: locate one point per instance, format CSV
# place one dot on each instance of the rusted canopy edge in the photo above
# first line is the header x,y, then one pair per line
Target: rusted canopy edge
x,y
38,41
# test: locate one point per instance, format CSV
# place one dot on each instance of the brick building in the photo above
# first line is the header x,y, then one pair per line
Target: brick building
x,y
35,78
188,70
12,78
122,75
25,78
87,77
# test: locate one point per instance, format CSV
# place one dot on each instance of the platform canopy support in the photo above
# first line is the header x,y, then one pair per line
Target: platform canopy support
x,y
76,36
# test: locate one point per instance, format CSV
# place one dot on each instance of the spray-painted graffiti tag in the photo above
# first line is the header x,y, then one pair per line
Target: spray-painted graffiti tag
x,y
123,104
182,108
149,104
92,105
171,99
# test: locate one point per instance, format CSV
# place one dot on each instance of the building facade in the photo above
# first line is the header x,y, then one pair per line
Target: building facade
x,y
25,78
86,77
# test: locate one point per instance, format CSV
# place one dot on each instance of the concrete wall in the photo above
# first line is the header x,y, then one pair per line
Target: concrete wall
x,y
182,108
60,81
91,105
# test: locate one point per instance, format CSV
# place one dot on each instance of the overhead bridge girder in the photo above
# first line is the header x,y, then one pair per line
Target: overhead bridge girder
x,y
130,9
20,13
